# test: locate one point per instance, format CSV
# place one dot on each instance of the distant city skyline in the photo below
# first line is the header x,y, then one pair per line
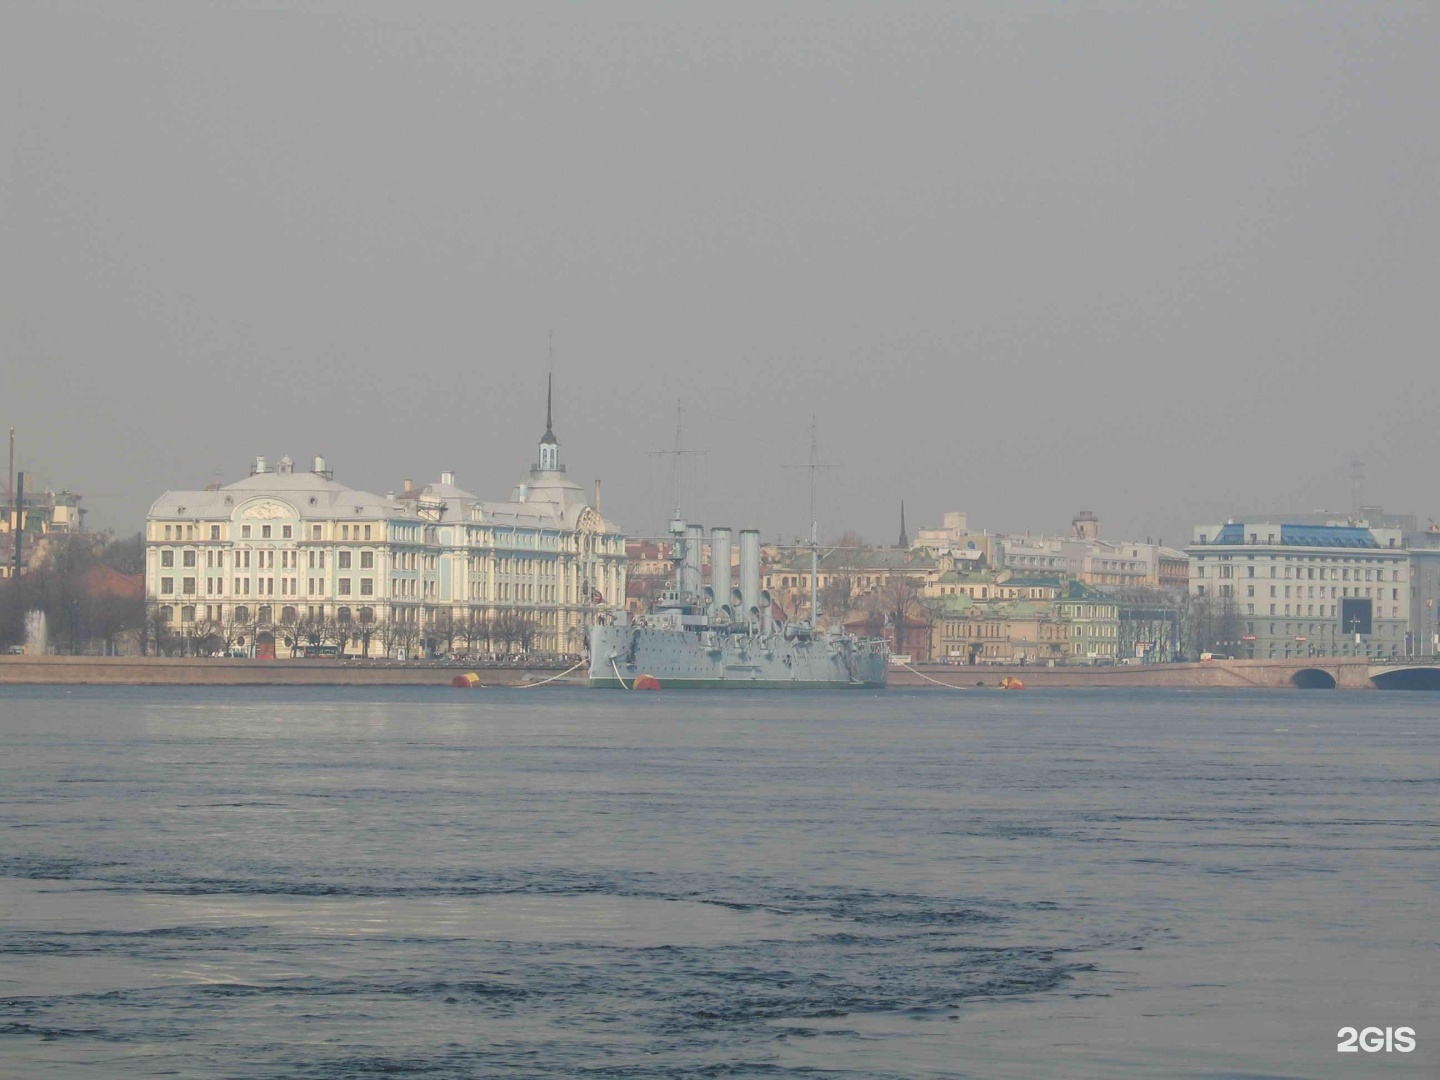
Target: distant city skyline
x,y
1167,263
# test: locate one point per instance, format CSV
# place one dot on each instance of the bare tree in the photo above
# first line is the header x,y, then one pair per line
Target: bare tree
x,y
310,632
446,629
474,630
127,555
12,612
835,596
527,631
364,629
576,637
407,638
514,628
158,634
1213,624
900,595
929,609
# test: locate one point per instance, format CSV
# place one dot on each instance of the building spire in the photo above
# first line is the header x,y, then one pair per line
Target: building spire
x,y
549,460
904,540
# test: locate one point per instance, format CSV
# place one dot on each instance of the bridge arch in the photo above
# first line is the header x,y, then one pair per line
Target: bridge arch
x,y
1313,679
1415,678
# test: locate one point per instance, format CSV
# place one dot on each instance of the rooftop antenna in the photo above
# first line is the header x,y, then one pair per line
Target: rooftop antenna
x,y
813,464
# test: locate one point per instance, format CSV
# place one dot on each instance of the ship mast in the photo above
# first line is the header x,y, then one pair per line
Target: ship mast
x,y
677,523
812,465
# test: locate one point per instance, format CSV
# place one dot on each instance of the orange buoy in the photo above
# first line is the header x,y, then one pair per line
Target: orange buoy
x,y
1009,682
466,681
645,682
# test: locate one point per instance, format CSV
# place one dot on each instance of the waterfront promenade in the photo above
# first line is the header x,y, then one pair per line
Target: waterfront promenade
x,y
208,671
1343,673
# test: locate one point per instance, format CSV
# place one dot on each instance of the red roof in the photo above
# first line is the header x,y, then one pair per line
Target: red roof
x,y
104,580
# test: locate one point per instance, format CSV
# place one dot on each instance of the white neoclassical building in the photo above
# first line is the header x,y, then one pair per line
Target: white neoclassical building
x,y
287,559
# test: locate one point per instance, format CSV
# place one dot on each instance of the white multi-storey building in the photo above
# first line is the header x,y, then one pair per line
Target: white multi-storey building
x,y
286,558
1301,590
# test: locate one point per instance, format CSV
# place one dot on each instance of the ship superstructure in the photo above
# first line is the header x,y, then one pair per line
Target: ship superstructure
x,y
715,635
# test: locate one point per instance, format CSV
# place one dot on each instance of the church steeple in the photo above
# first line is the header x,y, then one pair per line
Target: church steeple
x,y
904,540
549,445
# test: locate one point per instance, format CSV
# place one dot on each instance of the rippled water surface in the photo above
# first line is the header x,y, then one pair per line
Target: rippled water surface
x,y
329,883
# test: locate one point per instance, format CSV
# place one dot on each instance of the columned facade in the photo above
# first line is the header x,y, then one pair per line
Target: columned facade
x,y
286,562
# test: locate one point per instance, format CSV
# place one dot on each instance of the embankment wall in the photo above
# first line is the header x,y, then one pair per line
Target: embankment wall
x,y
205,671
1269,674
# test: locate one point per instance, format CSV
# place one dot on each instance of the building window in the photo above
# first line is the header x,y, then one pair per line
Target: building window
x,y
367,532
314,532
342,560
343,586
245,532
167,558
265,532
187,585
287,532
214,532
167,585
367,586
187,558
367,560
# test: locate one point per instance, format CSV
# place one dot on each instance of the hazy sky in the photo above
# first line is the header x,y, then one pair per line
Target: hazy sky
x,y
1160,261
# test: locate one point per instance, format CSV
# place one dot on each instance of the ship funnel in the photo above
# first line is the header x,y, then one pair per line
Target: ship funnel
x,y
749,570
719,569
767,613
694,547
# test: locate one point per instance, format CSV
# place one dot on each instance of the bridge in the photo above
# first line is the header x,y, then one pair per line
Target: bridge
x,y
1344,673
1303,673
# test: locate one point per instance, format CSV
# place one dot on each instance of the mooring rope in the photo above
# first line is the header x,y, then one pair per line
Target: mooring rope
x,y
937,682
542,682
618,676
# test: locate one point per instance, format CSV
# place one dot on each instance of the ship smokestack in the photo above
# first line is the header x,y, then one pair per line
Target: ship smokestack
x,y
767,613
720,567
749,570
694,549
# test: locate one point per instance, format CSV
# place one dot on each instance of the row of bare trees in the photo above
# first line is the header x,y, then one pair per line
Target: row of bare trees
x,y
476,631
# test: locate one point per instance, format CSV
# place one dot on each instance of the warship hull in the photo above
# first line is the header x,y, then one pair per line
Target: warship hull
x,y
715,659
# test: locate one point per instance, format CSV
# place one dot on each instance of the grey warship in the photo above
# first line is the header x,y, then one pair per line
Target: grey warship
x,y
712,636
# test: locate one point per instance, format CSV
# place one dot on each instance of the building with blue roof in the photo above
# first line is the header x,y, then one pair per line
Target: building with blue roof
x,y
1296,589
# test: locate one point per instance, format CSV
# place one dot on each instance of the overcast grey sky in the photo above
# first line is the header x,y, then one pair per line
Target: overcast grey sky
x,y
1161,261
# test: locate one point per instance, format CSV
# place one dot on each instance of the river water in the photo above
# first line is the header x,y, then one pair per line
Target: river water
x,y
336,882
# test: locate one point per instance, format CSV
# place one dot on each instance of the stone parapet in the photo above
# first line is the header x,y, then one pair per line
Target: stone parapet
x,y
206,671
